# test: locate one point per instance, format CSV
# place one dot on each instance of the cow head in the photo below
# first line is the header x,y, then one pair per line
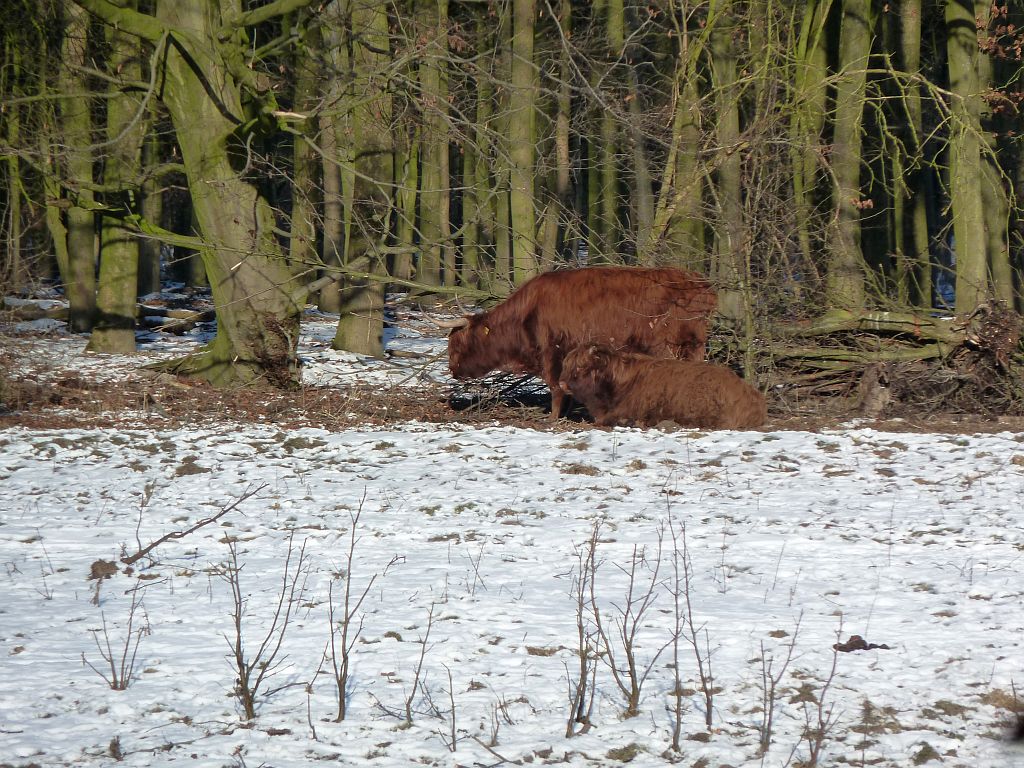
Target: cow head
x,y
468,356
582,366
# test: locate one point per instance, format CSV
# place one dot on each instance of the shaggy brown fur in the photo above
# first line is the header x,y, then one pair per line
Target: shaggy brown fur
x,y
623,388
661,312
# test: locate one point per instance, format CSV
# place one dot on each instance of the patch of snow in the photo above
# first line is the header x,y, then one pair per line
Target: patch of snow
x,y
467,563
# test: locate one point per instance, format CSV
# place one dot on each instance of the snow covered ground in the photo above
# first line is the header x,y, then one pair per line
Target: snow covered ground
x,y
463,551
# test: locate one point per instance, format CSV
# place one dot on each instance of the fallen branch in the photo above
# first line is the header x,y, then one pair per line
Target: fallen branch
x,y
918,326
174,535
843,359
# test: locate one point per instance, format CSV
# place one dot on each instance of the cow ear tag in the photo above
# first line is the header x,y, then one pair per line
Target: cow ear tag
x,y
486,330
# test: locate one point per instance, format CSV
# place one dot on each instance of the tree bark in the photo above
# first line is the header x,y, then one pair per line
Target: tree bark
x,y
677,219
13,276
302,245
606,208
333,248
477,204
994,201
407,172
643,185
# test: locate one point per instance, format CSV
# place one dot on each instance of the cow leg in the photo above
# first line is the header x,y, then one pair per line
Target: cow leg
x,y
551,373
557,402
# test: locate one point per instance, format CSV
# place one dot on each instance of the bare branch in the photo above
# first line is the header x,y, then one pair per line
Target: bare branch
x,y
175,535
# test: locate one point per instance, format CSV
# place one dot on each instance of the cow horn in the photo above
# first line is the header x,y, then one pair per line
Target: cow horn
x,y
461,322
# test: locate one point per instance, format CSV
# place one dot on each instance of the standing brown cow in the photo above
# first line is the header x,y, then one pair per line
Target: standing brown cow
x,y
661,312
624,388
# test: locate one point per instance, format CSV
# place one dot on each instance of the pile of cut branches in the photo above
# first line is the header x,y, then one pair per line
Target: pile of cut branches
x,y
885,362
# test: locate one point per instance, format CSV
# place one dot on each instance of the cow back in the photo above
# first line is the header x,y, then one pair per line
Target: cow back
x,y
628,388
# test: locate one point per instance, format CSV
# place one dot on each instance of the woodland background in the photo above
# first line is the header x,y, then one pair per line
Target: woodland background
x,y
847,172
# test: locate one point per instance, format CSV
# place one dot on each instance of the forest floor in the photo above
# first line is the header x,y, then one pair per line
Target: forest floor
x,y
47,386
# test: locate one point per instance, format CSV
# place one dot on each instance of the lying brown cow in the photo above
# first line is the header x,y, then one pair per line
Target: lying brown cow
x,y
660,312
624,388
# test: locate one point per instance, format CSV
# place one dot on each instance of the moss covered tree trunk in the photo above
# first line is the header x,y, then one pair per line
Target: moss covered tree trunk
x,y
13,275
477,205
994,200
333,246
302,243
202,79
407,178
114,332
559,194
678,231
368,180
499,206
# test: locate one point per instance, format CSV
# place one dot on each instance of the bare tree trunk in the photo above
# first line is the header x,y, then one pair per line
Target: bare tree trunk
x,y
845,286
607,203
474,171
731,246
522,142
915,234
434,183
407,172
965,165
563,160
502,280
994,202
76,124
13,274
333,248
809,78
643,185
152,211
677,217
302,250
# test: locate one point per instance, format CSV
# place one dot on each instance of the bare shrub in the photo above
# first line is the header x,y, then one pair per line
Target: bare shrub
x,y
345,629
581,683
255,668
118,668
621,648
701,646
771,677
